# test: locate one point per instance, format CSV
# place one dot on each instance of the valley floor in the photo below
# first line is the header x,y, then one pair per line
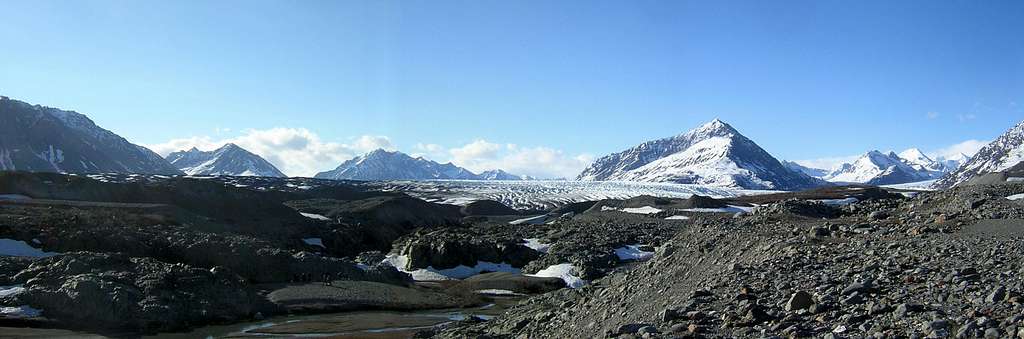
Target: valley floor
x,y
243,257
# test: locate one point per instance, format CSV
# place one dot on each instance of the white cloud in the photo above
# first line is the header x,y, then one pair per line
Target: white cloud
x,y
482,155
295,151
968,147
475,151
300,152
966,117
932,115
429,151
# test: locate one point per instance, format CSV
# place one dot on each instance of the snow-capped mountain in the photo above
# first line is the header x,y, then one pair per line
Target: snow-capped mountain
x,y
952,163
814,172
714,154
877,168
502,175
1000,155
921,162
384,165
497,175
230,159
45,139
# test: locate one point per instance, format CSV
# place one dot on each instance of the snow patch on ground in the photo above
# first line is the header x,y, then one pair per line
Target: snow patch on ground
x,y
14,197
838,202
314,242
458,272
642,210
634,210
6,291
919,186
536,220
678,217
16,248
497,292
633,252
536,245
1016,197
315,216
563,271
727,209
1015,179
23,311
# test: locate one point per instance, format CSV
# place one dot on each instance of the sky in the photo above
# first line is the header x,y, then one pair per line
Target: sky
x,y
533,87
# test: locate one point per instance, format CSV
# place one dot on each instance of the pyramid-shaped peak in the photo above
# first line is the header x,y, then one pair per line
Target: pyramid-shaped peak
x,y
380,152
716,124
713,128
915,155
230,147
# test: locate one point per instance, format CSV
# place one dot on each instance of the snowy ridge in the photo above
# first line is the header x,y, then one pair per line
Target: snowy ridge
x,y
230,159
876,168
714,154
1000,155
46,139
385,165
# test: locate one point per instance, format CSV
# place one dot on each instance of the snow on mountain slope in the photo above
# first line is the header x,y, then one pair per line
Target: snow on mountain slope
x,y
921,162
714,154
501,175
230,159
814,172
876,168
952,163
384,165
1000,155
46,139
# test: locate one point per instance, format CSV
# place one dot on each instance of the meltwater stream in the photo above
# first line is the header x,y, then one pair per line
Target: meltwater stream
x,y
359,324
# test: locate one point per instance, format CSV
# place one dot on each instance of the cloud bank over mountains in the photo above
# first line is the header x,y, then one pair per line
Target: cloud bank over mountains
x,y
301,152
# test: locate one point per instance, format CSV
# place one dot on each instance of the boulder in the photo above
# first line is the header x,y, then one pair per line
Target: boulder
x,y
117,292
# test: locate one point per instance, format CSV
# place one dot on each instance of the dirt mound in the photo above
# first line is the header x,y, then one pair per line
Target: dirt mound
x,y
517,283
373,224
487,208
700,201
798,207
574,208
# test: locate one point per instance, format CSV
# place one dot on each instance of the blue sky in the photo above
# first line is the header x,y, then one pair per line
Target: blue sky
x,y
533,86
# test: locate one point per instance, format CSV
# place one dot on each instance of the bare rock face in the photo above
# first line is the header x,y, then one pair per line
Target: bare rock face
x,y
112,291
442,249
487,208
44,139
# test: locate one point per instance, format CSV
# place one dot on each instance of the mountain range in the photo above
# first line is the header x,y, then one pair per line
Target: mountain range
x,y
394,165
1001,155
877,168
230,159
714,154
45,139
